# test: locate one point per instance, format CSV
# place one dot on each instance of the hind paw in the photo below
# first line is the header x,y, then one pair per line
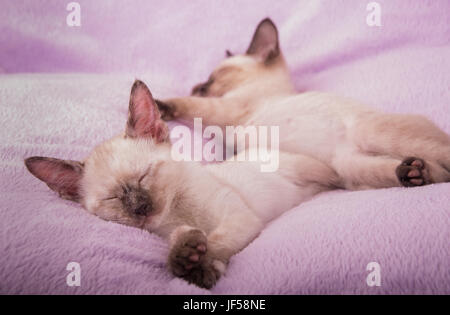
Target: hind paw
x,y
413,172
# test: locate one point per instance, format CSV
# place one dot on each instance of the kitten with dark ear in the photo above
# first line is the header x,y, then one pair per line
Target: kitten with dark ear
x,y
255,89
233,90
62,176
265,45
144,118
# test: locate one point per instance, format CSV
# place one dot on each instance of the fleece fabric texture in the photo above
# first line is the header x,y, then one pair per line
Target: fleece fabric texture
x,y
321,246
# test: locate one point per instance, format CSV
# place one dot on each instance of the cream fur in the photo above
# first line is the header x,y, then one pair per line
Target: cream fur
x,y
362,145
231,191
236,202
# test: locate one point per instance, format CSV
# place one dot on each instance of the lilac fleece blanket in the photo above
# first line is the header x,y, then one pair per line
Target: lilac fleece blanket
x,y
321,246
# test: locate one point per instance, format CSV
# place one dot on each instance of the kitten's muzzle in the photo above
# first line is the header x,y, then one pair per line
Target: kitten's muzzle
x,y
143,210
137,202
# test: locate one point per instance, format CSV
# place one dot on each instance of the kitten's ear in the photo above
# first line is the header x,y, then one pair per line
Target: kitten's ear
x,y
264,44
144,118
62,176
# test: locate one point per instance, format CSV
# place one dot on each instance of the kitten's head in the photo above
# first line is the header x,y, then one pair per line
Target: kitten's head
x,y
262,59
117,182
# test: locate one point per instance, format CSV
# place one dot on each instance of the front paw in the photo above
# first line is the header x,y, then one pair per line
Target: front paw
x,y
167,109
189,259
188,252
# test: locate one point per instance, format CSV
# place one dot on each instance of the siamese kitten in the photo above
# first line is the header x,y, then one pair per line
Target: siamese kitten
x,y
206,212
367,148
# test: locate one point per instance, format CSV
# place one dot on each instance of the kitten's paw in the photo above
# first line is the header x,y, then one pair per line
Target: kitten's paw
x,y
167,109
187,253
190,260
413,172
206,274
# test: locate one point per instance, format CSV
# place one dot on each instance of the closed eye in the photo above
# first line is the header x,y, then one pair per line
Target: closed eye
x,y
111,198
143,176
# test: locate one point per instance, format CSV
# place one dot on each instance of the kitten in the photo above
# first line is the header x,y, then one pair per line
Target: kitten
x,y
206,212
367,148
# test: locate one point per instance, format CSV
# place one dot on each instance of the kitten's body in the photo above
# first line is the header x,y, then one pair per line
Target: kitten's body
x,y
363,145
367,148
207,212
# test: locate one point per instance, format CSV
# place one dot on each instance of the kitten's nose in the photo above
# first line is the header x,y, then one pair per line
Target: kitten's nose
x,y
137,201
142,210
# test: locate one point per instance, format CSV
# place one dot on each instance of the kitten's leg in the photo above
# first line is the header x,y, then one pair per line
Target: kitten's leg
x,y
404,136
213,110
235,232
201,259
360,171
189,257
308,172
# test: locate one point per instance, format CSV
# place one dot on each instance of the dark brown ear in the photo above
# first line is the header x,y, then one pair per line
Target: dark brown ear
x,y
264,44
60,175
144,118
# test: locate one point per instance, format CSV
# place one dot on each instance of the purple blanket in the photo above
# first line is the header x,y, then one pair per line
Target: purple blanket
x,y
322,246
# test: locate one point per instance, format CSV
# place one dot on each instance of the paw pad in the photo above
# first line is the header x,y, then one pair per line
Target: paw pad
x,y
412,172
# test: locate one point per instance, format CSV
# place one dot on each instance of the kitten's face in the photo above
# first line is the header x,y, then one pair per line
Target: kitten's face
x,y
233,72
261,57
120,182
117,182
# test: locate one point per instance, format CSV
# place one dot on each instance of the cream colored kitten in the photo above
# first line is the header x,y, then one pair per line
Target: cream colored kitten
x,y
207,212
367,148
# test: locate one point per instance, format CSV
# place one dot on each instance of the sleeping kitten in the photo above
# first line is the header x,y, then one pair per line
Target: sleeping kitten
x,y
207,212
367,148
